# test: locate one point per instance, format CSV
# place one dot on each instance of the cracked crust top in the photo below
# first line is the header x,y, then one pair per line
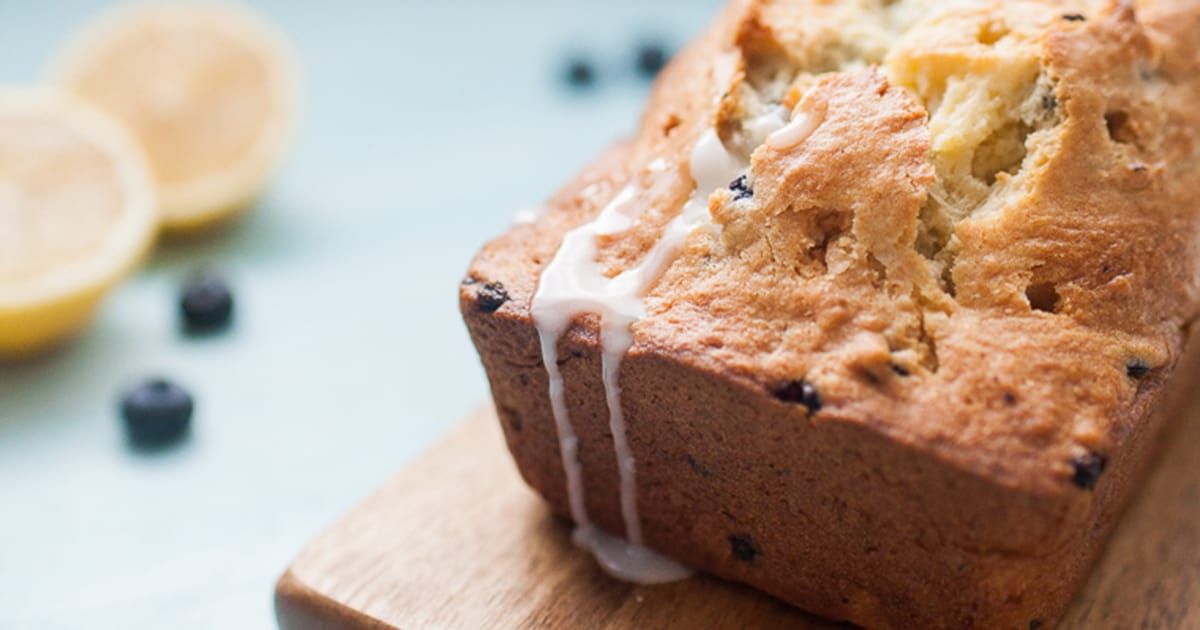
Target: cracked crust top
x,y
987,248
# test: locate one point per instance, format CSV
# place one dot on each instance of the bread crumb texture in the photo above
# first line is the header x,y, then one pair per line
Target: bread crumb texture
x,y
993,218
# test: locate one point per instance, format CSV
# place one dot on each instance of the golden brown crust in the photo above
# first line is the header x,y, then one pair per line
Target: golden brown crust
x,y
976,329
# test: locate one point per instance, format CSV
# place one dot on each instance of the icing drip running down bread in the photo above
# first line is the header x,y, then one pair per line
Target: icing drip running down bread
x,y
880,311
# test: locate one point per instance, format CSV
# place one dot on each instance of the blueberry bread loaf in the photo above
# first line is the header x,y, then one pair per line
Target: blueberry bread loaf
x,y
880,311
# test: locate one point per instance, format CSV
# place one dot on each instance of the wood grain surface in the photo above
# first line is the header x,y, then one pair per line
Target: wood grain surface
x,y
458,541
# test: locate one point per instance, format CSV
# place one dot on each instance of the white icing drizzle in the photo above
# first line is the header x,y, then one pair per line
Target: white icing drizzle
x,y
802,125
573,283
758,128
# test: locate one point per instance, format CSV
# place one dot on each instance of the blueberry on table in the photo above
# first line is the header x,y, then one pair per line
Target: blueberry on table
x,y
580,72
206,304
156,413
651,58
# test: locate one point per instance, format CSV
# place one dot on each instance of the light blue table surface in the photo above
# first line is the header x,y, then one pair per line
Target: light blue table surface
x,y
426,124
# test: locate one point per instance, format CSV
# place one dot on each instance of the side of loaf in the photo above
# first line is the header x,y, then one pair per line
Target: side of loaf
x,y
911,364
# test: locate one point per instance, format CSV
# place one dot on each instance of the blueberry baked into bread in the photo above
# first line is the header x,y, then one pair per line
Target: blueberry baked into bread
x,y
880,311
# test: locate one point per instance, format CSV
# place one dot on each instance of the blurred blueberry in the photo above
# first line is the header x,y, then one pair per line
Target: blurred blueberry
x,y
157,413
580,72
651,57
206,304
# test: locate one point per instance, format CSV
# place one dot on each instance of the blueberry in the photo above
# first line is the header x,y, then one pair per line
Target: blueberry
x,y
156,413
580,72
741,188
743,547
698,468
491,296
1137,369
1087,470
800,393
651,58
207,303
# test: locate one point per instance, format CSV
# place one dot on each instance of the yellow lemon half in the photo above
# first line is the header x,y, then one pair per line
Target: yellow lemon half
x,y
207,89
77,213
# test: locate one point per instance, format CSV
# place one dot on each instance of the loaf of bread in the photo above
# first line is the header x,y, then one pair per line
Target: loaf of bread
x,y
880,311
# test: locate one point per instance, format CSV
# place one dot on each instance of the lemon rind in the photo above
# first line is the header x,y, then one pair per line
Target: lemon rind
x,y
221,195
129,238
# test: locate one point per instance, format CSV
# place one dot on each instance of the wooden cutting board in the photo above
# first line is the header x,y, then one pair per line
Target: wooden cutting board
x,y
458,541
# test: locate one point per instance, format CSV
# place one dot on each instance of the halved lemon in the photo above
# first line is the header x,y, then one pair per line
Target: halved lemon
x,y
207,89
77,213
